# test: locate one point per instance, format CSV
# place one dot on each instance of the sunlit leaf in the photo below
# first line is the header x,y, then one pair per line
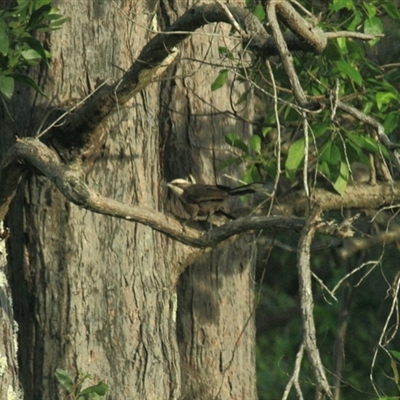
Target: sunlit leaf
x,y
373,26
339,4
255,143
36,46
294,158
383,98
30,54
370,8
395,354
341,182
259,12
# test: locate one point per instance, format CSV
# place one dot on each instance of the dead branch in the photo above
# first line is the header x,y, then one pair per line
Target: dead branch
x,y
307,304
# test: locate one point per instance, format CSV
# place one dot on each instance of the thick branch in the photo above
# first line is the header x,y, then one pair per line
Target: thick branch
x,y
359,196
154,54
82,122
69,182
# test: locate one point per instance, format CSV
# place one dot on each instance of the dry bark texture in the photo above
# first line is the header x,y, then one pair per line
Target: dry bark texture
x,y
102,295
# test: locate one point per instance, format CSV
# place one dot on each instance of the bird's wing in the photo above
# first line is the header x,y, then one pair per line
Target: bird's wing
x,y
204,193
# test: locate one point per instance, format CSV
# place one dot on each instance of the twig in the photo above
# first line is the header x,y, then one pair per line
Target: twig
x,y
347,276
295,376
38,135
355,35
285,54
233,21
381,342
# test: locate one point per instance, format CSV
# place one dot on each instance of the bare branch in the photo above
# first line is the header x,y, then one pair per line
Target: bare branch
x,y
232,20
307,304
353,35
284,53
294,380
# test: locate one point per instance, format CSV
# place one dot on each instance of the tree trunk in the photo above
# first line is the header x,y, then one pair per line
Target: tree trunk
x,y
111,297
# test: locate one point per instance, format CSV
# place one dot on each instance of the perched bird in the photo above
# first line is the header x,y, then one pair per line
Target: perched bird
x,y
205,200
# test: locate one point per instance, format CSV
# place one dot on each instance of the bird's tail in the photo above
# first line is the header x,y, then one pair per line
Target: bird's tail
x,y
246,189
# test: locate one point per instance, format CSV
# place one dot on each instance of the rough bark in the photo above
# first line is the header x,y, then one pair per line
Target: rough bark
x,y
98,294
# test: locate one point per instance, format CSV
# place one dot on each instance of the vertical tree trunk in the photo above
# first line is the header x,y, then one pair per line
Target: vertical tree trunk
x,y
98,294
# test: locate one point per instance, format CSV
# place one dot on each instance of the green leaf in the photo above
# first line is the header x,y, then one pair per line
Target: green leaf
x,y
391,122
395,354
341,182
339,4
355,153
265,130
391,9
294,158
220,80
26,80
330,153
242,98
4,41
100,389
348,70
323,168
224,51
251,174
7,86
383,98
355,22
234,140
373,26
30,54
36,46
259,12
370,8
320,129
255,143
39,15
367,143
64,379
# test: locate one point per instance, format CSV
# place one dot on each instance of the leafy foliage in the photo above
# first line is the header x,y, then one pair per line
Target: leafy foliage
x,y
19,49
361,77
74,389
336,142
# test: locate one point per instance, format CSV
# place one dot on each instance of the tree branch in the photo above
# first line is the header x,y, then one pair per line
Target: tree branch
x,y
307,304
358,196
69,182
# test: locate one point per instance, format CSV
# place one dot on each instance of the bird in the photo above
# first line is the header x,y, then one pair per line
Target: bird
x,y
205,200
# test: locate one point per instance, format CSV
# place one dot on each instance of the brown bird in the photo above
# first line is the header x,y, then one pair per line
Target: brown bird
x,y
205,200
